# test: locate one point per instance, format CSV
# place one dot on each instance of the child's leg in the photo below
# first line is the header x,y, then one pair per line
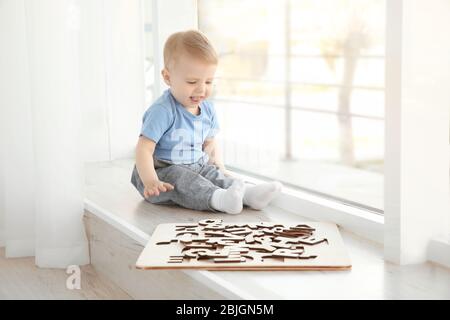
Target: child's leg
x,y
194,191
211,173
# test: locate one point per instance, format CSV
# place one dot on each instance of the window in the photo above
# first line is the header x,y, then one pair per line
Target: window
x,y
300,92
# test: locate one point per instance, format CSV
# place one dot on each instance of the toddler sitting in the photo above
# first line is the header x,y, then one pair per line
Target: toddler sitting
x,y
177,158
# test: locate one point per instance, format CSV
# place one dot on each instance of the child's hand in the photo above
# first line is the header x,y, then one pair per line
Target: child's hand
x,y
156,187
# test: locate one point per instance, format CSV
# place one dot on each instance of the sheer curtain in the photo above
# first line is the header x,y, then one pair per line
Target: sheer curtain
x,y
41,168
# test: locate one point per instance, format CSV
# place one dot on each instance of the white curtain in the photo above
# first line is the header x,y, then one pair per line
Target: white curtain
x,y
41,165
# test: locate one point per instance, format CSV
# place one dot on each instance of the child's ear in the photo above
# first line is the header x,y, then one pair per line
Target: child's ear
x,y
166,76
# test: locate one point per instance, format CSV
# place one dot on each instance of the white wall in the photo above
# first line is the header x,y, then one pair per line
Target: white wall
x,y
40,116
125,73
93,81
112,73
17,165
112,68
52,34
417,127
164,24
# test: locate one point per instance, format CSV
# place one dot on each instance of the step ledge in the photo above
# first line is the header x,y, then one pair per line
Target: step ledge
x,y
207,278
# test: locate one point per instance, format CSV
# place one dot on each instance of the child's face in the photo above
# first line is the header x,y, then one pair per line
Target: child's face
x,y
190,80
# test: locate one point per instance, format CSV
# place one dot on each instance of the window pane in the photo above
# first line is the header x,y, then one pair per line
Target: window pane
x,y
324,26
367,102
315,97
300,92
253,146
250,91
252,66
332,71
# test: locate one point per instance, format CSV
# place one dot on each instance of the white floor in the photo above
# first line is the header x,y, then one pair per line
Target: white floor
x,y
108,186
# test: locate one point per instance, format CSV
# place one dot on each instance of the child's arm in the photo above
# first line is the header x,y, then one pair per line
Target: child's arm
x,y
215,156
146,169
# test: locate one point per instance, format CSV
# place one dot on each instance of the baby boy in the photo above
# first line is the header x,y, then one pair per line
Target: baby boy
x,y
177,158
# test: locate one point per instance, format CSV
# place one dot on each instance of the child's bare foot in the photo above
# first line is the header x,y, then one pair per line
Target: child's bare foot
x,y
259,196
229,200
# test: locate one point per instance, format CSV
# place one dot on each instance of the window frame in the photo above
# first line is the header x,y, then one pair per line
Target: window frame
x,y
316,207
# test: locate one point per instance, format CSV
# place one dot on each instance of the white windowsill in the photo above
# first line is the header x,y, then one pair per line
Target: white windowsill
x,y
111,197
313,207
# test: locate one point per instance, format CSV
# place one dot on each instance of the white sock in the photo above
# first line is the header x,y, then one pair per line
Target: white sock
x,y
259,196
229,200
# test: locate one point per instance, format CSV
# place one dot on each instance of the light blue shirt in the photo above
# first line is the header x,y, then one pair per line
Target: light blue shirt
x,y
179,135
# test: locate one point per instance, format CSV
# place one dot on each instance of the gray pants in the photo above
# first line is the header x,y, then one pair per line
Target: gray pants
x,y
194,184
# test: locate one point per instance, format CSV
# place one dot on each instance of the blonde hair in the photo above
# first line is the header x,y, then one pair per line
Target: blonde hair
x,y
193,42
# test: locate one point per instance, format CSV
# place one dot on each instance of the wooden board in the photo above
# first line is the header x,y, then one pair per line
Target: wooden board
x,y
215,245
